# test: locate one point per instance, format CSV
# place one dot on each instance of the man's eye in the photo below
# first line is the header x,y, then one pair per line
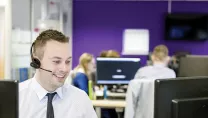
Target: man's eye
x,y
56,62
68,62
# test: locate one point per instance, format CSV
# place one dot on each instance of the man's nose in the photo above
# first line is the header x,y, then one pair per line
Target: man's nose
x,y
64,67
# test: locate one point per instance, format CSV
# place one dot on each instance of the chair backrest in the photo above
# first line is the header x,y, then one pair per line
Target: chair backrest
x,y
143,92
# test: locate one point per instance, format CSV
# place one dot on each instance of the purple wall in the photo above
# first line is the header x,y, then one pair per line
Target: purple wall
x,y
98,25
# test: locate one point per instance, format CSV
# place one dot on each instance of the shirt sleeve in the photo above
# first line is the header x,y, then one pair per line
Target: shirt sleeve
x,y
139,74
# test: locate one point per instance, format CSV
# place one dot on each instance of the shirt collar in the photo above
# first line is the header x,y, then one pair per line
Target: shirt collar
x,y
159,64
41,92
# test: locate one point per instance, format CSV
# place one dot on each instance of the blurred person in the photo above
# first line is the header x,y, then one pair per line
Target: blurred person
x,y
158,70
83,72
103,53
112,54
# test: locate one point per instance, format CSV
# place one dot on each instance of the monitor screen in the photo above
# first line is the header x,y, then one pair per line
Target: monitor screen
x,y
166,90
186,26
116,70
8,99
190,66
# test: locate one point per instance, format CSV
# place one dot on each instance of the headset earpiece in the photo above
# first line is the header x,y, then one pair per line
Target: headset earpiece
x,y
35,63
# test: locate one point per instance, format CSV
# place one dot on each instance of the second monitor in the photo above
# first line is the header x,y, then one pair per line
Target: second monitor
x,y
116,70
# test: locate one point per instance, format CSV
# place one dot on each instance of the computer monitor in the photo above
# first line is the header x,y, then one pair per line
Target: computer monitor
x,y
190,108
116,70
8,99
193,65
167,90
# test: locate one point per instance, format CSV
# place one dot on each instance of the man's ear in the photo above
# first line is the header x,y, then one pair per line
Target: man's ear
x,y
34,56
152,57
168,58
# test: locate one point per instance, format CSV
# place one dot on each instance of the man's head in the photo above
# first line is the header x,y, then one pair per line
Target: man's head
x,y
51,48
160,54
112,54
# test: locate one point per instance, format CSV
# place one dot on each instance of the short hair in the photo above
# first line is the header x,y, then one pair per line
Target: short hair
x,y
160,52
103,53
44,37
112,54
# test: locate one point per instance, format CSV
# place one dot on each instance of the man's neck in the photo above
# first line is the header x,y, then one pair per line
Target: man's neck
x,y
44,84
159,63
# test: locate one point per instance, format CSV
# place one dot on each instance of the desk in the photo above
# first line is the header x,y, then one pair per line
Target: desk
x,y
110,94
119,105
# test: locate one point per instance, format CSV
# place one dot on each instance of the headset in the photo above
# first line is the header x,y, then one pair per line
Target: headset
x,y
36,62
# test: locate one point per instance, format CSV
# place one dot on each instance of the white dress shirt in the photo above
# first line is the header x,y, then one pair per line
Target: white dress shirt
x,y
156,71
140,93
69,102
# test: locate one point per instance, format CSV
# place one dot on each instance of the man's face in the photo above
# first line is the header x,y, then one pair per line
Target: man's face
x,y
56,58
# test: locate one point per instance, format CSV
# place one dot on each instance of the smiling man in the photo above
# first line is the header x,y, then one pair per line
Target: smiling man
x,y
46,95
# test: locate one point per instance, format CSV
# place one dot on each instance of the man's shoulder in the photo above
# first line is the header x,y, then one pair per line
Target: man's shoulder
x,y
24,85
74,90
171,72
145,68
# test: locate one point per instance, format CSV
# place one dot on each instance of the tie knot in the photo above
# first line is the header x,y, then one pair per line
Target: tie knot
x,y
50,96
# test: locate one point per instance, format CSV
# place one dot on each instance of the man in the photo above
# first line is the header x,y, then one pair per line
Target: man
x,y
46,95
140,93
159,69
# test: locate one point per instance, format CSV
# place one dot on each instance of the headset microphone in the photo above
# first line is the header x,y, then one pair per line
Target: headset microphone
x,y
46,70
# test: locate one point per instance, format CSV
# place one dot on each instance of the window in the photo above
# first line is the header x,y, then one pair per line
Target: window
x,y
135,42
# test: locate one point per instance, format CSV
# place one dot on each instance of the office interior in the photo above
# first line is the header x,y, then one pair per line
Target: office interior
x,y
94,26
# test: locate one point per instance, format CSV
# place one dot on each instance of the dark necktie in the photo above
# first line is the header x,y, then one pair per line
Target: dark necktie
x,y
50,113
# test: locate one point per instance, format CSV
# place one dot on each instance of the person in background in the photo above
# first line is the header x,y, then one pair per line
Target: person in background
x,y
106,112
103,53
82,73
159,69
112,54
175,60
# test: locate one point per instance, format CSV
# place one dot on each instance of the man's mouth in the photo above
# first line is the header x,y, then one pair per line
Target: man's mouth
x,y
60,76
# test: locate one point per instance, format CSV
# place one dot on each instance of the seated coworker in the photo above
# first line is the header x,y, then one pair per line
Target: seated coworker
x,y
112,54
82,73
109,113
159,69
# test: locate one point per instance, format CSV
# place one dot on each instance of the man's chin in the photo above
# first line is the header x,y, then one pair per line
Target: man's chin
x,y
59,81
59,84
